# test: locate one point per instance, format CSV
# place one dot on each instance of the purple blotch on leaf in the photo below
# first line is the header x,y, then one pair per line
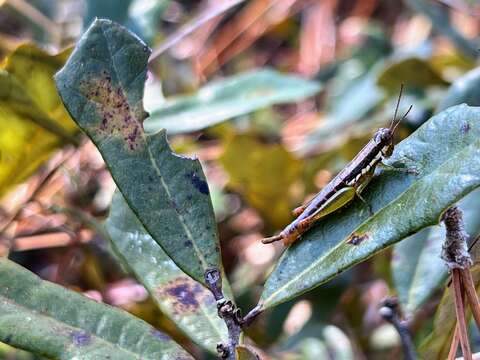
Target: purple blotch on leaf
x,y
184,294
80,338
160,335
199,184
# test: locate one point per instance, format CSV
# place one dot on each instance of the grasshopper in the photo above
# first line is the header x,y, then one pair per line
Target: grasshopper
x,y
343,188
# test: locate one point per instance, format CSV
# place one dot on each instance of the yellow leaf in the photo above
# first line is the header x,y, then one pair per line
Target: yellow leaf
x,y
263,174
33,121
34,69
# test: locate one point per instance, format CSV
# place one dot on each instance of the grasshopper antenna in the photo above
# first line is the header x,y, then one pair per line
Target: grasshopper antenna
x,y
403,117
392,126
396,107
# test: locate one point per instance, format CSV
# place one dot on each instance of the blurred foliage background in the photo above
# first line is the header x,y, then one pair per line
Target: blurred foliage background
x,y
266,141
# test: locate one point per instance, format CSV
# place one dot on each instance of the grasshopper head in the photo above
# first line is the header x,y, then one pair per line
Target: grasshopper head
x,y
384,138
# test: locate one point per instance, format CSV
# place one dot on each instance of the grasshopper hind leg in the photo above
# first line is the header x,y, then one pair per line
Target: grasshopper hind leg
x,y
273,239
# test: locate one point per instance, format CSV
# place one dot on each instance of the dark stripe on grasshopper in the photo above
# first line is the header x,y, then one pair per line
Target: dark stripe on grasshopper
x,y
367,158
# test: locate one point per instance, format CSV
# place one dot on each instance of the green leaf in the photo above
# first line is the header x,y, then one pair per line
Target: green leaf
x,y
444,152
410,259
353,97
50,320
145,15
115,10
309,348
191,306
102,87
354,94
33,121
464,90
227,98
414,72
417,269
8,352
437,344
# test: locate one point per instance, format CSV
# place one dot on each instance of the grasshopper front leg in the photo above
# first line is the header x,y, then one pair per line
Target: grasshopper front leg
x,y
407,170
362,184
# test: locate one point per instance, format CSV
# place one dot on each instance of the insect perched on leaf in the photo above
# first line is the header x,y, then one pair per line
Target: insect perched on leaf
x,y
343,188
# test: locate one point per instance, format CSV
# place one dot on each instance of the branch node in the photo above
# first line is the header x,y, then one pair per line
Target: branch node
x,y
228,312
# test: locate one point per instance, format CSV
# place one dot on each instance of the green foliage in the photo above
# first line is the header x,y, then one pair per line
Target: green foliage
x,y
439,17
168,193
464,90
140,16
267,161
225,99
404,203
48,319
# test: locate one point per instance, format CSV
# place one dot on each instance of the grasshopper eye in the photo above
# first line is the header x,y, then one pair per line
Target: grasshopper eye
x,y
378,137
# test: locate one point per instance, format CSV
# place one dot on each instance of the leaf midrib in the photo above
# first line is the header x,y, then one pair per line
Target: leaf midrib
x,y
153,161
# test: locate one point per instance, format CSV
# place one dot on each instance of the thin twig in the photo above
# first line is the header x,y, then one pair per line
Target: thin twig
x,y
472,297
389,311
40,186
460,312
252,315
452,353
205,16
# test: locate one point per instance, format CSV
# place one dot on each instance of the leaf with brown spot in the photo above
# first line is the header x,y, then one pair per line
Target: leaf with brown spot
x,y
357,239
102,87
190,305
446,167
